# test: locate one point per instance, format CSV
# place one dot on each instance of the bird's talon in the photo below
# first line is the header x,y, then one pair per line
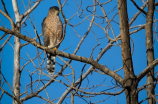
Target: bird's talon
x,y
54,49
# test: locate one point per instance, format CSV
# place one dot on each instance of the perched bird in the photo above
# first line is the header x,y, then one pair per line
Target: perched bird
x,y
52,30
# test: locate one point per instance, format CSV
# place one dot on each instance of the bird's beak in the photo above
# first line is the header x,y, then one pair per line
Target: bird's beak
x,y
57,12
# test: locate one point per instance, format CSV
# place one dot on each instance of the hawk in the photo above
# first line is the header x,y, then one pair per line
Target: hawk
x,y
52,30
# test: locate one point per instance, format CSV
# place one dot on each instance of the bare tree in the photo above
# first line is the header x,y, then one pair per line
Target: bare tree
x,y
91,31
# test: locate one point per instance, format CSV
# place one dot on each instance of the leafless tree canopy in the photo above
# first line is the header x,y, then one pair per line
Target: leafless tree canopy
x,y
108,52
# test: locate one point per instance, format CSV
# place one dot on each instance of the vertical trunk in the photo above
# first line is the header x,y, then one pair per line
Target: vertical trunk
x,y
130,81
133,99
150,49
125,40
16,76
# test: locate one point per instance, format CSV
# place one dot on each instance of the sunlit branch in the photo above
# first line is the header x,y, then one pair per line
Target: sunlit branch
x,y
148,69
8,17
10,95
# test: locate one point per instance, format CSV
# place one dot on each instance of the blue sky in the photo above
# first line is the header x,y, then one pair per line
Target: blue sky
x,y
112,58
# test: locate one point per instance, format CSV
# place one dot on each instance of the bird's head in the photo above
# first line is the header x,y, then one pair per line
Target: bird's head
x,y
54,10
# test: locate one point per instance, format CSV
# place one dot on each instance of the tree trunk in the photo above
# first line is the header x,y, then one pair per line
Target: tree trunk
x,y
150,49
132,94
16,76
125,40
130,81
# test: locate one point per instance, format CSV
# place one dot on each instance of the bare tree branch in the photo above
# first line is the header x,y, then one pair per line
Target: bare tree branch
x,y
138,7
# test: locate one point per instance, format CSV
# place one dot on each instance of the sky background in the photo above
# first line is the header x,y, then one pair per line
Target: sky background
x,y
112,58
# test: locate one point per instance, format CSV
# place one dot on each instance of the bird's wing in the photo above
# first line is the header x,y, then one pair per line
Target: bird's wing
x,y
45,33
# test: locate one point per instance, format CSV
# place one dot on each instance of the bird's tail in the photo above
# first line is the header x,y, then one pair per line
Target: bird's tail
x,y
50,64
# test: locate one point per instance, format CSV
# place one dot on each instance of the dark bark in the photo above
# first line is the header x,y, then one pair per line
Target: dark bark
x,y
125,40
150,49
130,79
